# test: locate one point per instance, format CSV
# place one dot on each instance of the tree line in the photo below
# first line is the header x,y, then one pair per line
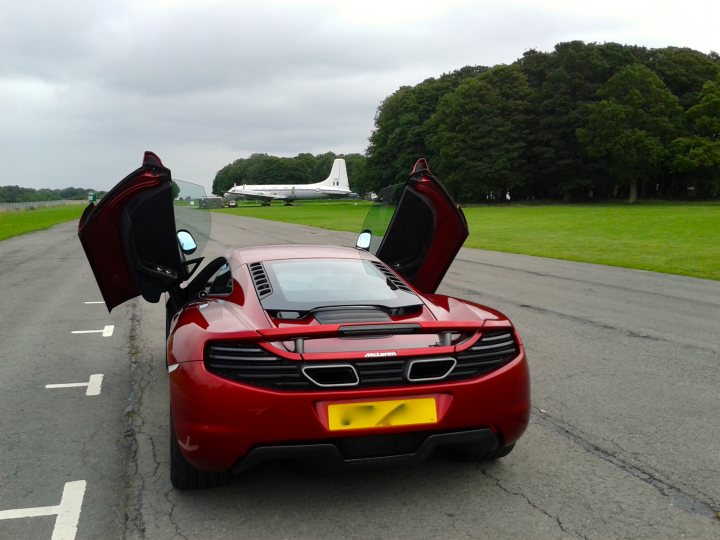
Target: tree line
x,y
585,121
12,194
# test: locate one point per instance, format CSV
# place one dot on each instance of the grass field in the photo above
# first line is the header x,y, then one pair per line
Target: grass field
x,y
24,221
675,238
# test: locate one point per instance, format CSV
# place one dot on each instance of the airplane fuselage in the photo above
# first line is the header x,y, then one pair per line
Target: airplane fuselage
x,y
289,192
335,186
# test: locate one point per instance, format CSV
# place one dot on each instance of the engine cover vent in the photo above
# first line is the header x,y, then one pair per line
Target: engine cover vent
x,y
260,279
390,275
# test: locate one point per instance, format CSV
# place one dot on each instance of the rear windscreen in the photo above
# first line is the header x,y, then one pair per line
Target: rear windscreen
x,y
310,283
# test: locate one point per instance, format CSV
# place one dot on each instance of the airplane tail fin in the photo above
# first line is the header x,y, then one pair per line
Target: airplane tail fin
x,y
338,175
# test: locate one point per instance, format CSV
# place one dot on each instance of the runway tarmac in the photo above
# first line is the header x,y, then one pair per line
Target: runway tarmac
x,y
623,441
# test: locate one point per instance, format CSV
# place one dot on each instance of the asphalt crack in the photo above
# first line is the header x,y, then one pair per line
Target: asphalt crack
x,y
604,326
461,291
585,281
134,480
679,498
556,519
171,515
147,503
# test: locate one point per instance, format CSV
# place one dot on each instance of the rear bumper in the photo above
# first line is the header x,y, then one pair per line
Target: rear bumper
x,y
335,455
223,425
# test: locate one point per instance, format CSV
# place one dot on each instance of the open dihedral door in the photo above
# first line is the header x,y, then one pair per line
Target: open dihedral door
x,y
425,233
129,237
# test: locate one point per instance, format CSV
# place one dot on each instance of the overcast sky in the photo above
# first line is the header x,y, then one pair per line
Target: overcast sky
x,y
87,85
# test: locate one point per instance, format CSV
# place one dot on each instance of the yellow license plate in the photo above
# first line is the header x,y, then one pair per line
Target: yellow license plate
x,y
378,414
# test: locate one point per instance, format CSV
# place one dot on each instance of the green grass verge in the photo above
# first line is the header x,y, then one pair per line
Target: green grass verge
x,y
662,237
675,238
25,221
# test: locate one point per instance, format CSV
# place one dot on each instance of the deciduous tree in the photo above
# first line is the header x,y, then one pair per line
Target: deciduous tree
x,y
628,130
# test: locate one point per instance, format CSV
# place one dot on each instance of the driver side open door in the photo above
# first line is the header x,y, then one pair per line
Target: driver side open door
x,y
425,232
129,237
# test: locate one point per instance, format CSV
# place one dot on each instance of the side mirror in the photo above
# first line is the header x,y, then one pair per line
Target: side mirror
x,y
186,241
363,241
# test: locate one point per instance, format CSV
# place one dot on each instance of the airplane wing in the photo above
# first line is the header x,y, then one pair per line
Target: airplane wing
x,y
256,196
263,197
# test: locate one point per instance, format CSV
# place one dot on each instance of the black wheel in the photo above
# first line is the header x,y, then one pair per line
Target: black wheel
x,y
502,451
184,476
469,453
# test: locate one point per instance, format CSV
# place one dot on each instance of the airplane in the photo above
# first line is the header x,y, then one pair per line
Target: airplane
x,y
333,187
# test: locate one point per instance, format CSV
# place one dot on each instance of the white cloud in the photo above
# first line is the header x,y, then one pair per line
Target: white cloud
x,y
87,85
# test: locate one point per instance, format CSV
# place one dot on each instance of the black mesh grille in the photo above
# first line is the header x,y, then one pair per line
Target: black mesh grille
x,y
380,372
251,364
396,281
490,352
260,280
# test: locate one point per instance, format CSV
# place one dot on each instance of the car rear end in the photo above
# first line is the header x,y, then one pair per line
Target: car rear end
x,y
265,395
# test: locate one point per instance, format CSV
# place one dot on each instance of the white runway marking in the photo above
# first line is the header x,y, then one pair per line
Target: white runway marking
x,y
68,511
106,332
101,302
94,385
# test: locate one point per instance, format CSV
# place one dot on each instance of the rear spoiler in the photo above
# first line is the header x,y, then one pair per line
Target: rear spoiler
x,y
386,329
192,349
446,329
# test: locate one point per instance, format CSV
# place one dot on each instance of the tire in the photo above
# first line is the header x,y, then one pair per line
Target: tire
x,y
184,476
502,451
468,453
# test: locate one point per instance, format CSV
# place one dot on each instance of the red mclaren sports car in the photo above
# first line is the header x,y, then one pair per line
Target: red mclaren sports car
x,y
336,356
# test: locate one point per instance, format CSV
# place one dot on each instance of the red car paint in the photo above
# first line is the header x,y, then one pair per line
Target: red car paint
x,y
219,421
